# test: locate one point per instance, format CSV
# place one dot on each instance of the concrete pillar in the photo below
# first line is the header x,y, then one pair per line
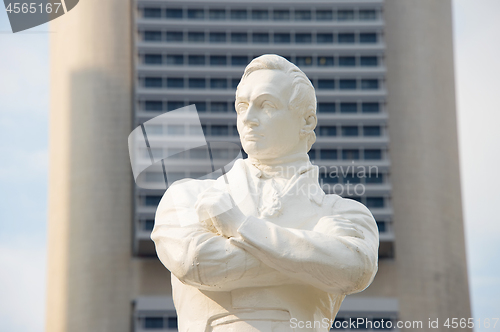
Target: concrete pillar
x,y
90,204
429,232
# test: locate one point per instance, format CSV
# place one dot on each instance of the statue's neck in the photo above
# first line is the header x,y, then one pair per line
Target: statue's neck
x,y
286,165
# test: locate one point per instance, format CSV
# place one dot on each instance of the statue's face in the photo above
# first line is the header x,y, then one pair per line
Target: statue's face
x,y
267,128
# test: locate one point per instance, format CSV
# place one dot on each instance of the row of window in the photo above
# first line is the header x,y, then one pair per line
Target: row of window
x,y
201,106
349,131
348,107
351,178
260,14
181,130
224,107
200,153
346,84
383,226
369,201
151,200
225,83
346,154
224,130
191,83
259,37
159,323
243,60
226,154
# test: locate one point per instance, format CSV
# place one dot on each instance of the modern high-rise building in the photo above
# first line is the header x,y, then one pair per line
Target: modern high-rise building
x,y
386,136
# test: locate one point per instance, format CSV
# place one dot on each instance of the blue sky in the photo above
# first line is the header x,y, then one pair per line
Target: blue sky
x,y
24,109
24,104
477,54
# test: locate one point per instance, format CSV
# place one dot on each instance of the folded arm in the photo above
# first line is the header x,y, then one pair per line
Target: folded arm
x,y
323,257
199,257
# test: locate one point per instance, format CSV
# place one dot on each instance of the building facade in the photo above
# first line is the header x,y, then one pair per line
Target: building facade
x,y
386,136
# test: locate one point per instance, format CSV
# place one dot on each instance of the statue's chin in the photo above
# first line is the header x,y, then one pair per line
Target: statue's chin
x,y
261,156
258,149
253,148
256,153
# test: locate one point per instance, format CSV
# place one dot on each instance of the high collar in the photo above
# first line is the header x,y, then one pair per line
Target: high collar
x,y
306,175
287,168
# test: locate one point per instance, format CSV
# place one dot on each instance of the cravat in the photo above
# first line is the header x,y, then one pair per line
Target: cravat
x,y
271,189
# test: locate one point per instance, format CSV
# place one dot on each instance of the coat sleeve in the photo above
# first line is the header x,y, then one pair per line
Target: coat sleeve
x,y
199,257
320,257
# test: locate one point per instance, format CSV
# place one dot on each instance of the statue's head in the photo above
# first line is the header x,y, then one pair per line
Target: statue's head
x,y
276,107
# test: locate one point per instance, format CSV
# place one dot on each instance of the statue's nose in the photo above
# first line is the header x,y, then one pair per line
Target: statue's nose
x,y
250,117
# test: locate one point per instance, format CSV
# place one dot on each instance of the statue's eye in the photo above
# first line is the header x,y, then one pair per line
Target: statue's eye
x,y
241,107
268,104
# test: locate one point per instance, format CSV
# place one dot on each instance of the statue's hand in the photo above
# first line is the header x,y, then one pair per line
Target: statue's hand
x,y
216,208
342,226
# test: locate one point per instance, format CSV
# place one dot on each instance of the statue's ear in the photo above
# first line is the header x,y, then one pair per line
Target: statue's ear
x,y
310,122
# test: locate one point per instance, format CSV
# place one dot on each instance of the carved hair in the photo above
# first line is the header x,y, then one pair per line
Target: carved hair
x,y
303,96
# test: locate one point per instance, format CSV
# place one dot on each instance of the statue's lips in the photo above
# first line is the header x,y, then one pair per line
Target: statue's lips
x,y
253,136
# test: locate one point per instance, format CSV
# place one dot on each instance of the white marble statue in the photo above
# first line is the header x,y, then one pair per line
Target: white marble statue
x,y
287,253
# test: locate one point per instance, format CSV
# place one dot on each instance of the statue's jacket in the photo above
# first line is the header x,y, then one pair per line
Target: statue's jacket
x,y
295,264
